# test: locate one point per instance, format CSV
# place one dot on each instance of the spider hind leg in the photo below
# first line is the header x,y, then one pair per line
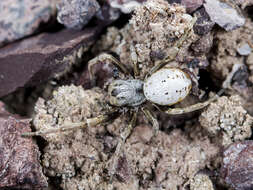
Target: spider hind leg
x,y
122,139
194,107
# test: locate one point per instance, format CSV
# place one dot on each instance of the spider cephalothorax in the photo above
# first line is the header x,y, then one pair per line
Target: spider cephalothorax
x,y
126,92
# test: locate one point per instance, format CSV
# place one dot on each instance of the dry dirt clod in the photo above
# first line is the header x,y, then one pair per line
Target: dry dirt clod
x,y
151,33
69,104
19,157
80,159
76,157
226,54
201,182
227,121
237,168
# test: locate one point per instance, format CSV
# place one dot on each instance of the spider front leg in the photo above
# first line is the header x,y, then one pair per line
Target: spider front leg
x,y
175,49
105,70
195,107
68,126
123,136
134,58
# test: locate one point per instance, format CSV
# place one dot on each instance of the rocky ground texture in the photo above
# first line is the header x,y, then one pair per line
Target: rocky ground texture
x,y
45,48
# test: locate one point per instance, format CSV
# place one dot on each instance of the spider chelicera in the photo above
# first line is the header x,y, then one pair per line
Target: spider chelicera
x,y
162,86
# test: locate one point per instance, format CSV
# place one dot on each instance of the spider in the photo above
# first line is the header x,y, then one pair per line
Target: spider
x,y
162,86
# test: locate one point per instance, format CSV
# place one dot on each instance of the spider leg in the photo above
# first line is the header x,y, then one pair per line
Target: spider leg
x,y
175,49
150,116
195,107
102,58
123,136
68,126
135,61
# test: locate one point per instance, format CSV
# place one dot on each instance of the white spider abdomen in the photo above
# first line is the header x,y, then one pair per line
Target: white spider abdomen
x,y
167,86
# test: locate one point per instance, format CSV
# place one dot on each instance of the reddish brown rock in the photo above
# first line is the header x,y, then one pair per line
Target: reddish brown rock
x,y
39,58
192,5
19,157
204,24
203,45
237,169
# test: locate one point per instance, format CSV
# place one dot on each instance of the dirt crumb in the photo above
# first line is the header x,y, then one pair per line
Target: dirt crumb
x,y
201,182
69,104
227,44
174,158
226,120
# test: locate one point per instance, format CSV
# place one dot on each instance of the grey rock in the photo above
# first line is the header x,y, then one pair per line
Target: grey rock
x,y
224,15
20,18
76,13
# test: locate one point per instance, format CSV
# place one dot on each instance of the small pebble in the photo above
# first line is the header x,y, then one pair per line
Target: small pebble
x,y
76,13
204,24
224,15
125,6
244,49
201,182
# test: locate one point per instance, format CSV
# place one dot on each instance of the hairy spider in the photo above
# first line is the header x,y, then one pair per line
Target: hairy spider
x,y
162,86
